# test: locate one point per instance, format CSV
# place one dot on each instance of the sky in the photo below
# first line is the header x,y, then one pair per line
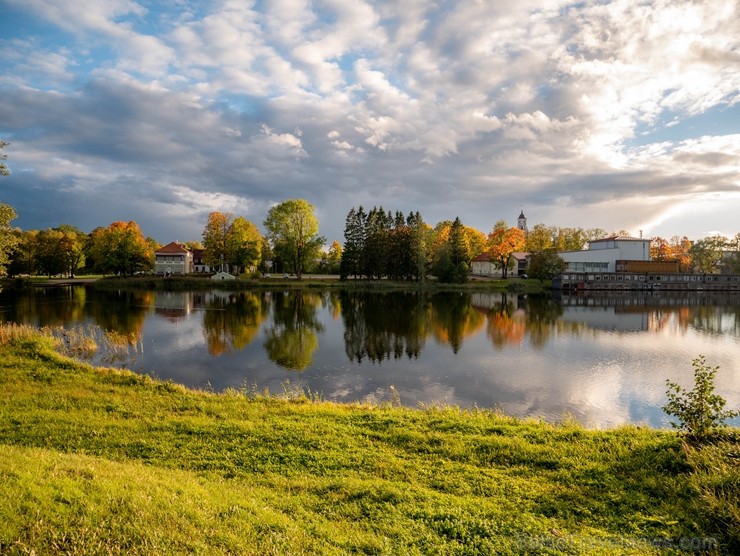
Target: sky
x,y
621,115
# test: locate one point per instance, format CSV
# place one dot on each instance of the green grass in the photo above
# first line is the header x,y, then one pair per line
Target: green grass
x,y
98,461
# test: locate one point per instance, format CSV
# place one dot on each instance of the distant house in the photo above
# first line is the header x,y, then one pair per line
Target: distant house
x,y
602,254
199,261
484,265
173,258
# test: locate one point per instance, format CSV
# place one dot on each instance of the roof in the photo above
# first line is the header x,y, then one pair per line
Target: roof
x,y
619,238
172,247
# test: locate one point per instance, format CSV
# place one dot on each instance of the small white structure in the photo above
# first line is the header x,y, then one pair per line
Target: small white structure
x,y
602,254
223,276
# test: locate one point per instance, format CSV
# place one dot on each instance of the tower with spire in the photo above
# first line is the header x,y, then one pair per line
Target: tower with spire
x,y
521,222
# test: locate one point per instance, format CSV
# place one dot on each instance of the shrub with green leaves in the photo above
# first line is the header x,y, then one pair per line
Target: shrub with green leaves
x,y
700,412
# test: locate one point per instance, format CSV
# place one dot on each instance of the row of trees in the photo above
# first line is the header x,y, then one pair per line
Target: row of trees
x,y
381,243
121,248
292,242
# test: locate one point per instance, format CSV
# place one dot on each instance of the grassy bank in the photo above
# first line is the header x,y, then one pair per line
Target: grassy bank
x,y
102,461
192,282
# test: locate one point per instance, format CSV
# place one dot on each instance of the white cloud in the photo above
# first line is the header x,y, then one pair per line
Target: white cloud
x,y
579,111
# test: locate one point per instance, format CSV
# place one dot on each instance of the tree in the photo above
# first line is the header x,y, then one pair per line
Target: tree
x,y
503,242
215,238
293,230
121,249
680,247
332,259
374,255
3,168
8,240
476,242
452,258
49,257
545,265
243,244
539,239
700,412
733,258
661,250
354,242
23,254
707,253
570,239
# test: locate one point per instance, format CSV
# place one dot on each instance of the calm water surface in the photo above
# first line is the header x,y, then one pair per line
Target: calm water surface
x,y
602,359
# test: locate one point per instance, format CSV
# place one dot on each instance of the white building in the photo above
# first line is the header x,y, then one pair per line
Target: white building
x,y
602,254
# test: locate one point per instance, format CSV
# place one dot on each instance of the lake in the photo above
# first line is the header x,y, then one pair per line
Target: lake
x,y
601,359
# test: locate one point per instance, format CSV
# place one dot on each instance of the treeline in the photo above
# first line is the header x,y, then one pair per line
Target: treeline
x,y
120,248
386,244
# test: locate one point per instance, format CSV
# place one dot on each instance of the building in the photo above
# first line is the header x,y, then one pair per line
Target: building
x,y
173,258
602,254
483,265
521,222
199,262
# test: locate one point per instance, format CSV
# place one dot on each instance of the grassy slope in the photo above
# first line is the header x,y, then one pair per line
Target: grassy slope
x,y
102,461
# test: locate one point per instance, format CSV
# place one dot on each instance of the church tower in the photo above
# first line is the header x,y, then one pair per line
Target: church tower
x,y
521,222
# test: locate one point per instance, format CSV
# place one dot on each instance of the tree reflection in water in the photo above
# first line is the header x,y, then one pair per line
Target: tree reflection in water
x,y
292,338
231,320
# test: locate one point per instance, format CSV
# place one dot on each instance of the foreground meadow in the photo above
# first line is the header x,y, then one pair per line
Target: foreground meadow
x,y
99,461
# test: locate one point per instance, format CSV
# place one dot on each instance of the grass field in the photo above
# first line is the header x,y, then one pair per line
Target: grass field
x,y
98,461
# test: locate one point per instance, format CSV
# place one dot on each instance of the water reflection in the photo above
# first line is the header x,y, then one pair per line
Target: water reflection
x,y
292,338
603,358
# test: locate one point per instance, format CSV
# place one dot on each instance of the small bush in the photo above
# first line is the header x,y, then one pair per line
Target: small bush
x,y
700,412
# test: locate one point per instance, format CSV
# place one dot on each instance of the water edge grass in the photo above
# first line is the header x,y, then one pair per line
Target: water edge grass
x,y
97,460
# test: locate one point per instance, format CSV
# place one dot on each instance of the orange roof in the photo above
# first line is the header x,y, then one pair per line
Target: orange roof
x,y
172,247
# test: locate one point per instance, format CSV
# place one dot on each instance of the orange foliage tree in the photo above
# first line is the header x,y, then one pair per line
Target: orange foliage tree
x,y
502,243
122,249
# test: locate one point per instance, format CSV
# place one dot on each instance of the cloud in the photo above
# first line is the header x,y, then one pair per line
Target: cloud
x,y
587,115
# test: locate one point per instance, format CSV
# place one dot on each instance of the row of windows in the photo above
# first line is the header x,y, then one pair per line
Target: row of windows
x,y
588,267
170,258
652,277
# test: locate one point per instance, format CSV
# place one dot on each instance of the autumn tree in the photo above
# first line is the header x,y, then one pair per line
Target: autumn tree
x,y
503,242
293,230
452,258
215,236
122,249
332,259
476,242
681,247
661,250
